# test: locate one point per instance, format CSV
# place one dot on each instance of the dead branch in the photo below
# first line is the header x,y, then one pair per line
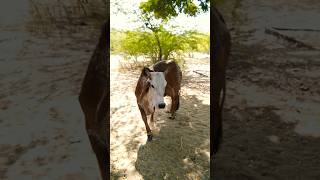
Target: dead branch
x,y
289,39
200,74
295,29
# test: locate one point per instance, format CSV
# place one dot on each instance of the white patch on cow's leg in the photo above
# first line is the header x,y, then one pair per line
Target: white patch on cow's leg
x,y
168,102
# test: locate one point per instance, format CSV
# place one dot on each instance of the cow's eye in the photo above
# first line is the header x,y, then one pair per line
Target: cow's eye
x,y
152,86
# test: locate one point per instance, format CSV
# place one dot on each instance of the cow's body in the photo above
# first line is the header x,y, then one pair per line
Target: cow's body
x,y
172,74
220,37
94,100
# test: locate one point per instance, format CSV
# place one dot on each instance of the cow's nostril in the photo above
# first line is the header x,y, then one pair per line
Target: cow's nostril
x,y
162,105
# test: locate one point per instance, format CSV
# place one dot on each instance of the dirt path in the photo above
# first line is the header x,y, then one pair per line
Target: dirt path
x,y
272,125
180,149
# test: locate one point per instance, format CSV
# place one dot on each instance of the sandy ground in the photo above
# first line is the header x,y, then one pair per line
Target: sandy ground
x,y
272,125
180,149
42,127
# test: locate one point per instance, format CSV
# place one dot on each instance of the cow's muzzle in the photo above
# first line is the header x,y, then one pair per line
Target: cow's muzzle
x,y
161,105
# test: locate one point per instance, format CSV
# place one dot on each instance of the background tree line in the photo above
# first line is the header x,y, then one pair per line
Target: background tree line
x,y
139,42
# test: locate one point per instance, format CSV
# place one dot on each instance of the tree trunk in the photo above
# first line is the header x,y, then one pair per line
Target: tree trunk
x,y
159,46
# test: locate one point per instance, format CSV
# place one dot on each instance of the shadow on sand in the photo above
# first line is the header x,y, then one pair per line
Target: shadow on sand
x,y
180,150
259,145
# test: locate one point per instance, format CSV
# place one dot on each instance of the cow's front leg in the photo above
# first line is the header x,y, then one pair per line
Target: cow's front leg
x,y
152,121
145,120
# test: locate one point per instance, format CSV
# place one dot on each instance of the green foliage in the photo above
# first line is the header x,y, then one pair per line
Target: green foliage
x,y
143,43
137,43
116,37
165,9
171,43
196,41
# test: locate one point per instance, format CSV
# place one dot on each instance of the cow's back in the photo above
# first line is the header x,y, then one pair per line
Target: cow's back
x,y
221,42
173,75
219,54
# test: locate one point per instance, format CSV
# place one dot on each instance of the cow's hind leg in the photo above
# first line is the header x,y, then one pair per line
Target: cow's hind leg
x,y
102,141
174,106
97,142
145,120
218,87
97,127
100,149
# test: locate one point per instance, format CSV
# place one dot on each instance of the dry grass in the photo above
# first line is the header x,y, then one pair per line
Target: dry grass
x,y
53,18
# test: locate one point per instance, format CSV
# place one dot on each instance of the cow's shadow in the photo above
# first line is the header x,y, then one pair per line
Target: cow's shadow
x,y
180,149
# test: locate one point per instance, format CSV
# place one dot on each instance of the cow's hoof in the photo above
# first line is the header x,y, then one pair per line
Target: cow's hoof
x,y
149,138
172,117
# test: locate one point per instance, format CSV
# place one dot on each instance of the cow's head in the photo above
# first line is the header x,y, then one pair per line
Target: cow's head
x,y
155,85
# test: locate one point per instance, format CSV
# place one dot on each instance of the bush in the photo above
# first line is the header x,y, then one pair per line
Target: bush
x,y
135,44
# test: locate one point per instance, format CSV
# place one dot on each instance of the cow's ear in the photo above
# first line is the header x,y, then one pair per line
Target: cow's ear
x,y
146,72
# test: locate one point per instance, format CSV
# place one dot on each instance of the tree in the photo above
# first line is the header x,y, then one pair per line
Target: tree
x,y
196,41
153,10
155,26
166,9
138,42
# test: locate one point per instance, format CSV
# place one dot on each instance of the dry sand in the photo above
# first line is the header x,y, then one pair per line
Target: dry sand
x,y
272,117
42,127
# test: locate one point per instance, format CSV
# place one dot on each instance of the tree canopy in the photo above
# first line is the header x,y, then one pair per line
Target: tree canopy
x,y
155,40
166,9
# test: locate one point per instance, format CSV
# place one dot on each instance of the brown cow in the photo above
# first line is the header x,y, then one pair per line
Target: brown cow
x,y
94,100
161,79
220,37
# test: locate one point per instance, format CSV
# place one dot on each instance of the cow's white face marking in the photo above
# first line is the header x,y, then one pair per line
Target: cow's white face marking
x,y
156,90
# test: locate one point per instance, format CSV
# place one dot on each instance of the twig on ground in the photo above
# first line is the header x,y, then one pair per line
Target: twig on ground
x,y
82,7
74,141
289,39
295,29
181,143
200,74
